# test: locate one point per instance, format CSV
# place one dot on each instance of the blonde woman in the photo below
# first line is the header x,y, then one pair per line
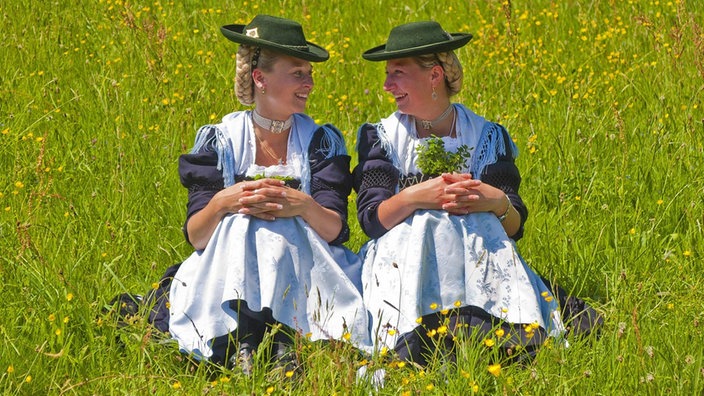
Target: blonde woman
x,y
267,215
442,259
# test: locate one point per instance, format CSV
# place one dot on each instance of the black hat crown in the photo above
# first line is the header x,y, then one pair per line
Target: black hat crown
x,y
278,34
417,38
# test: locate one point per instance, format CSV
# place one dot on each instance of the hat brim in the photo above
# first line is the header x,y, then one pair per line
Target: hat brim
x,y
312,53
380,53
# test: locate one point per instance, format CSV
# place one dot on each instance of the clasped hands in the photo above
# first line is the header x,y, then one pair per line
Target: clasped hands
x,y
266,199
460,194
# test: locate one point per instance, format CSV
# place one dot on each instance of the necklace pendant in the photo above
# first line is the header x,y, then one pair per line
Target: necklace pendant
x,y
427,125
277,126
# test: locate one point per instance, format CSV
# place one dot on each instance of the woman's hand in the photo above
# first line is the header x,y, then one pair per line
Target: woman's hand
x,y
471,196
271,201
430,194
201,225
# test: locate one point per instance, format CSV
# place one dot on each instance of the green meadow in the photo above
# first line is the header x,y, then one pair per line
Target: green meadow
x,y
99,98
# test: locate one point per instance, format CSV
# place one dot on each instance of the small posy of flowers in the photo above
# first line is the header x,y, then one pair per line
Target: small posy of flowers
x,y
434,160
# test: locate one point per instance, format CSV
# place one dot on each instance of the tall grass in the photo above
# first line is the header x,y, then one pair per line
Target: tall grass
x,y
98,99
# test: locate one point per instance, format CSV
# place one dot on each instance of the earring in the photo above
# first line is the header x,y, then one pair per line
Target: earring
x,y
434,95
263,91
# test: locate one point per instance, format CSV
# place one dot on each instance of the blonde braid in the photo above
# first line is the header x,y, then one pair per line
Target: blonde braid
x,y
453,71
244,84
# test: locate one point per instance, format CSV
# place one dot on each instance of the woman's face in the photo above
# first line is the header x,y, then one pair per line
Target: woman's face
x,y
410,85
286,86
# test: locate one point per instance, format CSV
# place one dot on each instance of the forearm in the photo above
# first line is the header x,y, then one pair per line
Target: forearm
x,y
512,220
201,225
395,209
326,222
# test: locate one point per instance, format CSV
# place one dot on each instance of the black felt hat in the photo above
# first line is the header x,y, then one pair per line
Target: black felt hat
x,y
417,38
277,34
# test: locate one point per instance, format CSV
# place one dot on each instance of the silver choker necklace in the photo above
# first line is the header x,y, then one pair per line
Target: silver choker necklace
x,y
427,124
273,126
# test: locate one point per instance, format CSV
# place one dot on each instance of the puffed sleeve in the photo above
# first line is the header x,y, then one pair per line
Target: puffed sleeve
x,y
504,175
200,175
331,180
375,180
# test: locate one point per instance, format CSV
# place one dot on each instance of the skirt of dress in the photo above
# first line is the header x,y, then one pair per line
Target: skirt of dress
x,y
282,265
435,261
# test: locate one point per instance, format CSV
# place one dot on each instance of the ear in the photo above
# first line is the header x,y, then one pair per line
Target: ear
x,y
437,75
258,78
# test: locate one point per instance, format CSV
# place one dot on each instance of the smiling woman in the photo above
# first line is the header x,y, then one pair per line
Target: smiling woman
x,y
269,255
461,275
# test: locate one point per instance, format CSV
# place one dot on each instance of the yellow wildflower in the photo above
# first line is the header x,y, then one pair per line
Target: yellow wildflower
x,y
494,369
489,342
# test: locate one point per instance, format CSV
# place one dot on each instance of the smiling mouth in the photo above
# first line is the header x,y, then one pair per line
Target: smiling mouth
x,y
302,96
399,97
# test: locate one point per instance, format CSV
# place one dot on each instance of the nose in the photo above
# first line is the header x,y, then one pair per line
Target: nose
x,y
388,83
308,81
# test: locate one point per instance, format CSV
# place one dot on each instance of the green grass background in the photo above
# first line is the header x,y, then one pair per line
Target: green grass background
x,y
99,98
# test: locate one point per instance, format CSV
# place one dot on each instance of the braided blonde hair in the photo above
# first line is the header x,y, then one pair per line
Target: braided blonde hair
x,y
244,84
450,65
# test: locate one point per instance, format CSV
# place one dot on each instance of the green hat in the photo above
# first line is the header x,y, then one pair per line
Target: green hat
x,y
417,38
277,34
